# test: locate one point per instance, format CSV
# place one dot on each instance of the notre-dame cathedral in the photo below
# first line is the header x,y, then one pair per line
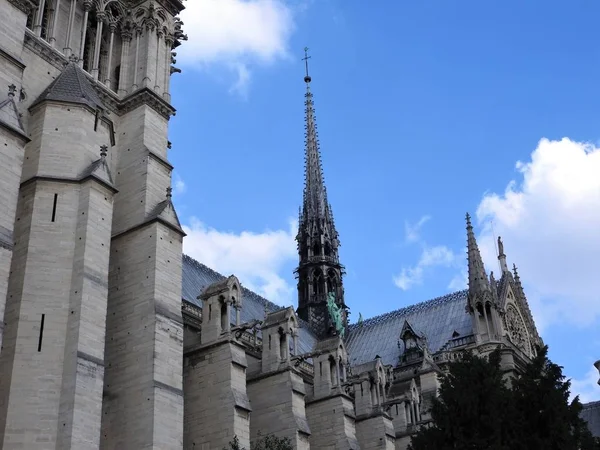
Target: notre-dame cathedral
x,y
112,339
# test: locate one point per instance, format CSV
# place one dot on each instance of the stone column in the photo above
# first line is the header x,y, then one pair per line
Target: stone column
x,y
126,36
67,48
112,26
87,5
167,75
100,16
52,31
157,77
138,32
37,25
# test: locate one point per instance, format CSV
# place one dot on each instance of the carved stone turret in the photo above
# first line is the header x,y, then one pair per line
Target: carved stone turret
x,y
217,302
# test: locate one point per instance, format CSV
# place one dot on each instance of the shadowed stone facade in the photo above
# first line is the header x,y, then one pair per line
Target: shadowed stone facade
x,y
111,339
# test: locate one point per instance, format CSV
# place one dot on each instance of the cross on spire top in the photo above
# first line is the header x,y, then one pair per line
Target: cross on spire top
x,y
307,78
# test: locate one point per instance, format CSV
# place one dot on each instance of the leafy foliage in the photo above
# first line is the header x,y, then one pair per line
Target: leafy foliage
x,y
476,409
268,442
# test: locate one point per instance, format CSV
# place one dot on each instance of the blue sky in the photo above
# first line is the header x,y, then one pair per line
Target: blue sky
x,y
426,110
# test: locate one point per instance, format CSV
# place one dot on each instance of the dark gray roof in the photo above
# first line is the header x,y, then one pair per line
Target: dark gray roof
x,y
196,277
591,414
437,319
10,118
72,86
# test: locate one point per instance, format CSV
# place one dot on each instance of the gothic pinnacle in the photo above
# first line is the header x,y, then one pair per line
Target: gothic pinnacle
x,y
478,282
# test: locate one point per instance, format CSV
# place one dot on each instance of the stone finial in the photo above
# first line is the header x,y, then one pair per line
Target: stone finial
x,y
73,58
103,151
169,192
12,89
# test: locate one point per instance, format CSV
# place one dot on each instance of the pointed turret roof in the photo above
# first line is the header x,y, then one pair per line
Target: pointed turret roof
x,y
314,204
72,85
100,170
165,211
9,114
478,281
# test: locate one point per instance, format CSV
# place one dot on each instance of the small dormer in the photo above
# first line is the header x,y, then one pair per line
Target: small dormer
x,y
279,339
414,343
218,299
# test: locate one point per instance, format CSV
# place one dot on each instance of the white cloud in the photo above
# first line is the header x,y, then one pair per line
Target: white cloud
x,y
587,387
430,257
236,33
550,222
178,184
460,281
412,232
255,258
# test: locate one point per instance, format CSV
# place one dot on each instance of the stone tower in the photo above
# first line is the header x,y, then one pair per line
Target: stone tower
x,y
92,336
319,270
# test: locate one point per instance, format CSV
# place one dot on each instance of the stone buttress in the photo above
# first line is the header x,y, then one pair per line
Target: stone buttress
x,y
217,406
52,362
374,428
12,149
330,410
277,391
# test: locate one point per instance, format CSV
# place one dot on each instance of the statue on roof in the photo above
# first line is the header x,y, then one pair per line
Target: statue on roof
x,y
500,246
335,314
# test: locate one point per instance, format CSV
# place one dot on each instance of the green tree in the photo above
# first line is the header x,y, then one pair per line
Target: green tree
x,y
545,418
477,410
268,442
472,410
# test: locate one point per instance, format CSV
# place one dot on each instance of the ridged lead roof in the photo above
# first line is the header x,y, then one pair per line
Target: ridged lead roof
x,y
437,319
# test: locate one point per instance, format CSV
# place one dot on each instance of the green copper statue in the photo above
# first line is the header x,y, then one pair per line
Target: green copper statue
x,y
335,314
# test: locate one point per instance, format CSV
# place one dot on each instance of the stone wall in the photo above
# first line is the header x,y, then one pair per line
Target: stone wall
x,y
216,403
278,408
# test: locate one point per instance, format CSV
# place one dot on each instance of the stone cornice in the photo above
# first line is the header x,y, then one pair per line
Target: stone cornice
x,y
17,133
160,159
108,97
150,98
148,223
25,6
54,179
12,59
44,50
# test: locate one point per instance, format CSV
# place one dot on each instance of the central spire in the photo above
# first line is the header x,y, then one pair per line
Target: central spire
x,y
319,271
314,203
